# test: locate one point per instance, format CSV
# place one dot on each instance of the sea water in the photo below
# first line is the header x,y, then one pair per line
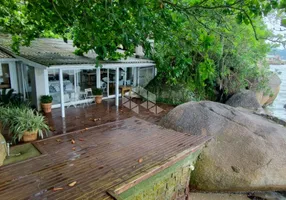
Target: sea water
x,y
277,108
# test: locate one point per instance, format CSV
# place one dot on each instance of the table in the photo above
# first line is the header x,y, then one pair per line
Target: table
x,y
125,88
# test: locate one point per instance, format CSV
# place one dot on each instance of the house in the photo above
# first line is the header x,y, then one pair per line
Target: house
x,y
50,67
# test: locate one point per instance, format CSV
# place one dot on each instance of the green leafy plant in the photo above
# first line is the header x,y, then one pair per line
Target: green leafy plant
x,y
9,98
22,119
6,115
46,99
5,96
97,91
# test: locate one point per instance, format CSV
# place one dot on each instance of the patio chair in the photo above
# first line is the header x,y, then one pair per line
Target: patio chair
x,y
88,94
74,98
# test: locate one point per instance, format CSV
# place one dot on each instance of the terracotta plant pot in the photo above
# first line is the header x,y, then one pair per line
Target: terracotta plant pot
x,y
47,107
30,136
98,98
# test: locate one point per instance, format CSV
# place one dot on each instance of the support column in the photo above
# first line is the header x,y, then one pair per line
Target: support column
x,y
46,79
125,75
38,86
75,80
117,87
98,78
62,93
134,76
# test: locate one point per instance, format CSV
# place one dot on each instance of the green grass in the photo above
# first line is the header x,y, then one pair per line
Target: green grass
x,y
21,152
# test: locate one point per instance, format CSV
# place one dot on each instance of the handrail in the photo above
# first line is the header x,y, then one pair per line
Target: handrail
x,y
144,93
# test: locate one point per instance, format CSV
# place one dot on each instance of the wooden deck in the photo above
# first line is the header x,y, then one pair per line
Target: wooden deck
x,y
101,158
97,114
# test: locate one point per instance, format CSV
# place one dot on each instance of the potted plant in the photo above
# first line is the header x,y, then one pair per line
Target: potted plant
x,y
46,103
27,125
97,92
6,115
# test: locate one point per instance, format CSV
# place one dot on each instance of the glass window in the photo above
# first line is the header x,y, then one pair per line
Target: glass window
x,y
146,74
74,81
5,81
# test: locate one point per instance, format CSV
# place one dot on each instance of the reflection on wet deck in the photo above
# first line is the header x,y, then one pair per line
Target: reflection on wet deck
x,y
83,117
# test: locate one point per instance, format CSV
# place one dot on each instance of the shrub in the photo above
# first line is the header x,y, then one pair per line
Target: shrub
x,y
9,98
46,99
96,91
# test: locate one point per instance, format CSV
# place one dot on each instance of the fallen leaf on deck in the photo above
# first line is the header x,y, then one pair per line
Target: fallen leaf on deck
x,y
72,141
57,188
96,119
58,140
81,139
72,184
140,160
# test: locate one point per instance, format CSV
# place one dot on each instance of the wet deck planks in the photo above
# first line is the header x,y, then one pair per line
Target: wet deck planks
x,y
101,158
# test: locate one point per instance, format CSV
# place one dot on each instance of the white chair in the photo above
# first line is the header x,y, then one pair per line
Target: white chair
x,y
74,98
88,94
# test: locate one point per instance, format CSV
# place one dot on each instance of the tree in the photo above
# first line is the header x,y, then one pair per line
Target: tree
x,y
104,24
195,40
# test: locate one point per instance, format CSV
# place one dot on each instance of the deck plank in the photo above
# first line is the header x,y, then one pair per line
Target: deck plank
x,y
104,156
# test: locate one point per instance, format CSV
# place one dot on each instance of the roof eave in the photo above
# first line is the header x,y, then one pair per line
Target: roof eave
x,y
104,65
26,61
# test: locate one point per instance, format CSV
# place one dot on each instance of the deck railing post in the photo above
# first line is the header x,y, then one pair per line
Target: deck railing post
x,y
117,87
62,93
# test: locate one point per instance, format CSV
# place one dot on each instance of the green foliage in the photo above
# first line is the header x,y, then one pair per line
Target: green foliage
x,y
11,99
46,99
21,119
6,97
212,47
97,91
103,25
214,63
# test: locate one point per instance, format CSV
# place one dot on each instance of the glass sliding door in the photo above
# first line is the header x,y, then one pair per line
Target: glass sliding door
x,y
111,82
5,81
75,81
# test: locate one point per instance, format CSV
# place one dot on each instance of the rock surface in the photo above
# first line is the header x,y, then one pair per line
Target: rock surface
x,y
247,152
245,99
274,85
2,149
217,196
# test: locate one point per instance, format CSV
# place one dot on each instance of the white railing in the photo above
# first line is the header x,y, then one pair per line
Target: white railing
x,y
149,96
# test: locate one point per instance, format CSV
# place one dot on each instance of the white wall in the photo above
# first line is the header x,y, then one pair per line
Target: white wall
x,y
38,86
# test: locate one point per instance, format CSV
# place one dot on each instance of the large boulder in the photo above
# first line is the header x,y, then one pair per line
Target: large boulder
x,y
274,83
245,99
247,151
2,149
